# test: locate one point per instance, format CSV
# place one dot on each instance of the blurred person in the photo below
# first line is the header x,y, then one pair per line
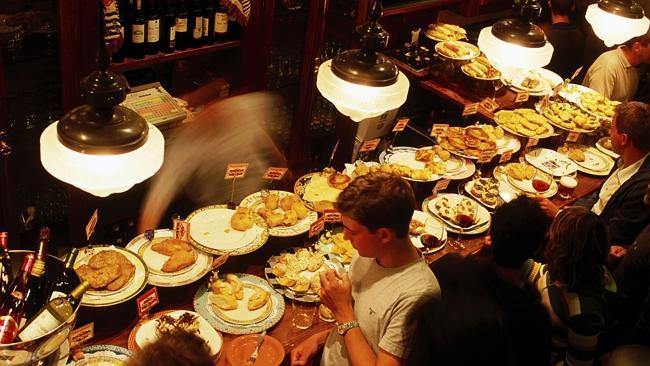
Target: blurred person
x,y
616,73
567,39
174,349
229,131
619,202
370,303
480,319
575,286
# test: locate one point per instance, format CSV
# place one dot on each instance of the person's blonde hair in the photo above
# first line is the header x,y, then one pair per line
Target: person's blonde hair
x,y
175,349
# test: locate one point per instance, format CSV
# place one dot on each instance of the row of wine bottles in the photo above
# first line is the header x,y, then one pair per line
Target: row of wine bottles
x,y
169,25
33,303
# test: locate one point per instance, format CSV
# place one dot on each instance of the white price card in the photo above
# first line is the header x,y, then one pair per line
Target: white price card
x,y
332,216
274,173
400,125
470,109
181,230
522,97
81,335
572,136
236,170
90,226
316,227
505,157
439,129
370,145
489,105
147,301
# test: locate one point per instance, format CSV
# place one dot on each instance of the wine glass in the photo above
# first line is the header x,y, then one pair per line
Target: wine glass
x,y
461,220
497,84
541,181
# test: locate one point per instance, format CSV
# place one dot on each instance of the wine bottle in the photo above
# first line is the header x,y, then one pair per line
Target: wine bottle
x,y
182,35
53,314
153,28
234,29
138,32
11,309
195,24
208,21
6,273
63,284
36,286
220,23
168,29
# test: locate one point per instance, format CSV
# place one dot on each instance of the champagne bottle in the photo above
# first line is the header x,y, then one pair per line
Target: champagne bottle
x,y
138,32
53,314
153,28
220,23
63,284
11,309
208,21
6,273
195,25
182,34
168,32
36,285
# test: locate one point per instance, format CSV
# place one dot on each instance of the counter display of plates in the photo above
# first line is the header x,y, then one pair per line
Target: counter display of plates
x,y
445,32
102,355
524,122
211,231
241,320
589,100
431,226
536,82
448,206
200,266
589,160
457,50
406,156
501,173
569,117
256,202
551,162
99,263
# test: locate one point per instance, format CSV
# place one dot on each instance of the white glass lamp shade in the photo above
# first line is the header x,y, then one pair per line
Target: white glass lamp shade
x,y
511,58
615,29
101,175
359,101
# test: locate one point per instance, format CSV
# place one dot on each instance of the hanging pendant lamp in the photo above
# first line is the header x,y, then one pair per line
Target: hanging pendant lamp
x,y
617,21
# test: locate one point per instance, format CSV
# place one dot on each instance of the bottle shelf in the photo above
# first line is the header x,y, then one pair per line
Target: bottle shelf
x,y
132,64
416,5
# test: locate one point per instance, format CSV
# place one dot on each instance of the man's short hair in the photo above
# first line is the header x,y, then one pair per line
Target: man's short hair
x,y
633,119
177,349
562,7
379,200
518,231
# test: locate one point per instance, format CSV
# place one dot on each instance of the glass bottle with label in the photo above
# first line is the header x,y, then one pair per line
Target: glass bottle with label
x,y
36,285
11,309
195,24
6,274
208,21
53,314
63,284
138,32
153,28
220,23
182,21
168,33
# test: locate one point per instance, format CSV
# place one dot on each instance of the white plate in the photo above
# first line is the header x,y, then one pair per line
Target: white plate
x,y
550,131
505,186
254,201
242,315
526,185
572,92
548,78
595,161
155,260
478,230
147,332
100,298
432,226
313,187
473,50
118,355
405,155
350,168
551,162
210,230
600,145
467,171
538,108
482,215
468,189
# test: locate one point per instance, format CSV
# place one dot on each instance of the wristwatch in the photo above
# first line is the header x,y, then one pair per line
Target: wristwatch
x,y
343,328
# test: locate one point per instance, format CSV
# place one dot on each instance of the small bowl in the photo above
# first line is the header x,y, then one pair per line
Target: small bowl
x,y
271,352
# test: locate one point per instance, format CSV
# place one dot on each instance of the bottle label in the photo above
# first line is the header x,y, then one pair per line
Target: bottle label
x,y
153,31
56,295
206,25
138,33
42,323
8,329
172,36
181,24
198,30
220,23
17,295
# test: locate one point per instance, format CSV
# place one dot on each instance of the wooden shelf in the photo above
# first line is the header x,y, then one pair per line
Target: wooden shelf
x,y
413,6
131,64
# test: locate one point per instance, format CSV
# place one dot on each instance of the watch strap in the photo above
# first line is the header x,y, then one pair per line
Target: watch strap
x,y
345,327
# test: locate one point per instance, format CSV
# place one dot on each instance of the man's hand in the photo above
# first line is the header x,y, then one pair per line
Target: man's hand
x,y
336,294
617,252
305,351
549,208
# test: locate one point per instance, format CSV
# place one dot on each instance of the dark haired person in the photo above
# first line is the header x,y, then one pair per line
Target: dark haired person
x,y
574,284
480,319
616,73
387,277
177,349
567,39
619,202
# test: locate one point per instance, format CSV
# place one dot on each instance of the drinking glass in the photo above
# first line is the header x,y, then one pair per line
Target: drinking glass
x,y
458,244
541,181
567,185
302,312
497,84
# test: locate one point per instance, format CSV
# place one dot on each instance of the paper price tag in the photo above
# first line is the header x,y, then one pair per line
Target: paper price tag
x,y
532,142
181,230
573,136
441,185
470,109
505,157
401,124
236,170
147,301
332,216
485,158
576,73
90,226
369,145
316,227
439,129
489,105
274,173
81,335
522,97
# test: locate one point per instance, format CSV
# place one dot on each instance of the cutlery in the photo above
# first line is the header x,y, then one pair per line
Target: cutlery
x,y
253,357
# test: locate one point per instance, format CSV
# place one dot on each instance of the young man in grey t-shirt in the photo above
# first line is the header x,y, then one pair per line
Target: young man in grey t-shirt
x,y
388,276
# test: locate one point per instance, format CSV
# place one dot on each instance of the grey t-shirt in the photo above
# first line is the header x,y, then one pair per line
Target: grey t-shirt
x,y
382,300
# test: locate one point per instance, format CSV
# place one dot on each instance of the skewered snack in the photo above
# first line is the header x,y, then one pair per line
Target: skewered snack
x,y
462,214
520,171
524,121
341,246
187,322
300,271
226,293
598,104
242,219
456,49
473,141
445,32
568,116
481,68
486,190
107,269
574,152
